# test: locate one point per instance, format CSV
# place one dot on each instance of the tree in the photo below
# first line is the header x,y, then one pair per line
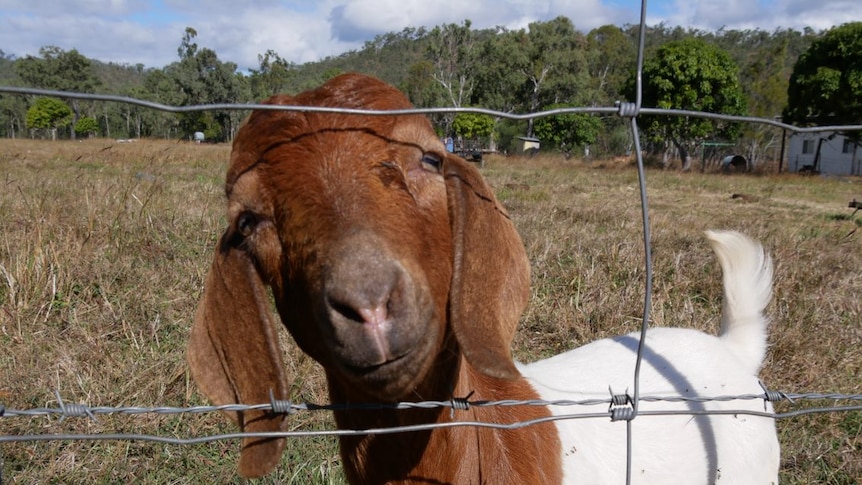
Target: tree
x,y
48,114
471,126
274,75
161,88
690,74
551,59
611,56
13,115
826,85
419,86
59,69
766,64
500,77
451,50
202,78
86,126
567,131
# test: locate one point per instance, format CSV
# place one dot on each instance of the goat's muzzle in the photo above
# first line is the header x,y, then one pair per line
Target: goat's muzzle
x,y
380,314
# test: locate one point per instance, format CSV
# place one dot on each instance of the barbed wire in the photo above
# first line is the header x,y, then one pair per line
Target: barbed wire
x,y
623,407
70,410
66,410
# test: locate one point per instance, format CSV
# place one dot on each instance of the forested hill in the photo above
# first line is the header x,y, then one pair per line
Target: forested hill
x,y
548,63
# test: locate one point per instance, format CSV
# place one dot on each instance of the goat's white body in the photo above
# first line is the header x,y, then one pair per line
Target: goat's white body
x,y
683,449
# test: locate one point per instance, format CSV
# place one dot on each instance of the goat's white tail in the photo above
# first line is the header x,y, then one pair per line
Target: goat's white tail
x,y
747,271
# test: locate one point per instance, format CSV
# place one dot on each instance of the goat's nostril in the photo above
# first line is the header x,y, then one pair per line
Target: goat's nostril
x,y
347,312
376,315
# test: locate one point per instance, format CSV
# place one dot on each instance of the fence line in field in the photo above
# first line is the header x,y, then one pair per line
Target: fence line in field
x,y
621,108
620,406
76,410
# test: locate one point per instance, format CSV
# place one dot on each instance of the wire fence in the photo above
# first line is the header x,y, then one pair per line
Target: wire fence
x,y
620,407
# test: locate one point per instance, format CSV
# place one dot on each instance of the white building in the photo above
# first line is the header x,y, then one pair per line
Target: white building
x,y
838,154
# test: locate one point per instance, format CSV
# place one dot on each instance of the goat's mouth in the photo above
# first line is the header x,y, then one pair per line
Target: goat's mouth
x,y
389,376
369,369
392,380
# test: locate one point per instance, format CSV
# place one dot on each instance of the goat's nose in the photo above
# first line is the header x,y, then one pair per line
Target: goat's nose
x,y
362,281
369,305
374,316
370,302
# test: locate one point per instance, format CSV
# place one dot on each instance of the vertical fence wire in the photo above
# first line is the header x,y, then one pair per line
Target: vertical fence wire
x,y
646,234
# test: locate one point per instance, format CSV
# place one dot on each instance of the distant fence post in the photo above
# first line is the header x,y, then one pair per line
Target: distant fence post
x,y
781,156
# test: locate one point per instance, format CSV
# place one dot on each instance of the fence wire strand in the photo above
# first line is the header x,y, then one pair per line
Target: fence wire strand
x,y
619,109
620,406
67,410
631,408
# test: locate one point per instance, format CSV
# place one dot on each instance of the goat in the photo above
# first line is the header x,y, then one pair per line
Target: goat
x,y
393,265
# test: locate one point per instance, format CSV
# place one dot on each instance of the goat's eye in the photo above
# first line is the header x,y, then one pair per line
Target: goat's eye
x,y
432,162
245,223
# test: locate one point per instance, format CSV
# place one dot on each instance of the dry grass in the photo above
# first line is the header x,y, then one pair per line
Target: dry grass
x,y
104,248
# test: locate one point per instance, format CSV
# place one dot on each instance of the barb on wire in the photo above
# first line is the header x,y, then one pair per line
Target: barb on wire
x,y
280,406
774,396
73,409
459,404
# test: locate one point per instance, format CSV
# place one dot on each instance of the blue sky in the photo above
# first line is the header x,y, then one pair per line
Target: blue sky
x,y
148,32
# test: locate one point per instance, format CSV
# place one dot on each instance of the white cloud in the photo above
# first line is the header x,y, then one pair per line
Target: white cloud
x,y
763,14
104,39
296,37
139,31
362,19
73,7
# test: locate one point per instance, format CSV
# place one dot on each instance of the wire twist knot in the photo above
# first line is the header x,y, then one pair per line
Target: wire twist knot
x,y
627,109
280,406
460,404
774,396
621,408
74,410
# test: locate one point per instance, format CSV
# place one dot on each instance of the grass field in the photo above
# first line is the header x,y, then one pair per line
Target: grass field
x,y
104,248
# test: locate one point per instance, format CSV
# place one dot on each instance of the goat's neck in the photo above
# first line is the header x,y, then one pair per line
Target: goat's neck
x,y
462,454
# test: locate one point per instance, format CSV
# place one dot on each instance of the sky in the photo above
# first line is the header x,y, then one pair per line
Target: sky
x,y
148,32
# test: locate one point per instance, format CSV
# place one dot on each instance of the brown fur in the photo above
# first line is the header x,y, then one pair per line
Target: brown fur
x,y
404,280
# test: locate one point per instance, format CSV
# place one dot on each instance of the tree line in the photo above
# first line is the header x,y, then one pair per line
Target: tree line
x,y
549,64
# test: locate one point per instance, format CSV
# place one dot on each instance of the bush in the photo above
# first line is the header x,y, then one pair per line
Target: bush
x,y
86,126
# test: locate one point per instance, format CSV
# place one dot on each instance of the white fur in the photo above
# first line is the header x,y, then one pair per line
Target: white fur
x,y
730,449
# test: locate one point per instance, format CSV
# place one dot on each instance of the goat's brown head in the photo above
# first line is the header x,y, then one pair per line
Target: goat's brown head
x,y
379,248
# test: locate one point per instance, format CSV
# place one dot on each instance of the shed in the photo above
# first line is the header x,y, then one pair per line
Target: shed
x,y
826,152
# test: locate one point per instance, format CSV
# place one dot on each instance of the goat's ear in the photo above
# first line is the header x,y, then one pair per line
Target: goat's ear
x,y
490,274
234,354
